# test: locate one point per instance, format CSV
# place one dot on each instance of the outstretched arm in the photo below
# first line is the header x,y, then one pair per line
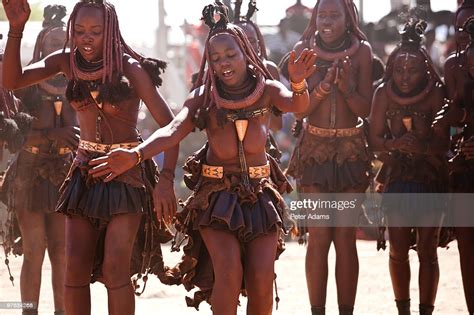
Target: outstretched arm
x,y
14,76
155,103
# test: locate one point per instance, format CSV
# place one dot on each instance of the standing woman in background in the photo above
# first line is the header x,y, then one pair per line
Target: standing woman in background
x,y
332,156
106,81
403,110
33,179
460,113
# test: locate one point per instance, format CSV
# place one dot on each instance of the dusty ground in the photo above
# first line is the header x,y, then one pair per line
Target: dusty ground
x,y
374,293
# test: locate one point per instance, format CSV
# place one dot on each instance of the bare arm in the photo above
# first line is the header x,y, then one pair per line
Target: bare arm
x,y
377,128
299,69
285,100
449,76
14,76
276,121
155,103
439,143
360,99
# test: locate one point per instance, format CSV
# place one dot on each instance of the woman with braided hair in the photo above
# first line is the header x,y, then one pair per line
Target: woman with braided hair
x,y
255,38
234,217
460,113
331,156
106,81
403,110
33,179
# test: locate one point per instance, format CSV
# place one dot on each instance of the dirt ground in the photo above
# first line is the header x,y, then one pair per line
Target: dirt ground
x,y
374,294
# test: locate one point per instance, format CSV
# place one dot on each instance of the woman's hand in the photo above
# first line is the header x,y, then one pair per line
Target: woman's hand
x,y
303,67
113,164
18,13
345,80
409,143
164,200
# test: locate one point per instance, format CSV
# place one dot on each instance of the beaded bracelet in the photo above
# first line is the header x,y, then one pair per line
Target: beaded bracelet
x,y
139,154
298,86
322,90
16,35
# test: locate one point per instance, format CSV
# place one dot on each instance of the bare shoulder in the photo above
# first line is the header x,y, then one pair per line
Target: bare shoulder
x,y
452,59
272,68
381,92
132,67
365,50
439,91
451,62
195,98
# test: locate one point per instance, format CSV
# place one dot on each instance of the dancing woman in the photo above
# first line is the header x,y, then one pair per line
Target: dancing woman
x,y
106,81
233,219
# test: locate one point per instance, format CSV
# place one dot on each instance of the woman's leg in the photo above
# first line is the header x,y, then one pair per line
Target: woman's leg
x,y
465,237
347,266
347,261
81,241
427,245
399,264
259,273
316,264
224,249
33,235
316,261
119,241
56,239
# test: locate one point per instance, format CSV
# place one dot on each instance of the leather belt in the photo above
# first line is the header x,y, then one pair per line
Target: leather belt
x,y
104,148
37,150
255,172
343,132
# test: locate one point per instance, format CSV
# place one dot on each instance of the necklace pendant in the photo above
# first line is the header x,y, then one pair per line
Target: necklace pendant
x,y
94,95
408,122
58,106
241,126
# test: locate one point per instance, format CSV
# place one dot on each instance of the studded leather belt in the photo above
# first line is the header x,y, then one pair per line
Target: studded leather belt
x,y
255,172
104,148
343,132
37,150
